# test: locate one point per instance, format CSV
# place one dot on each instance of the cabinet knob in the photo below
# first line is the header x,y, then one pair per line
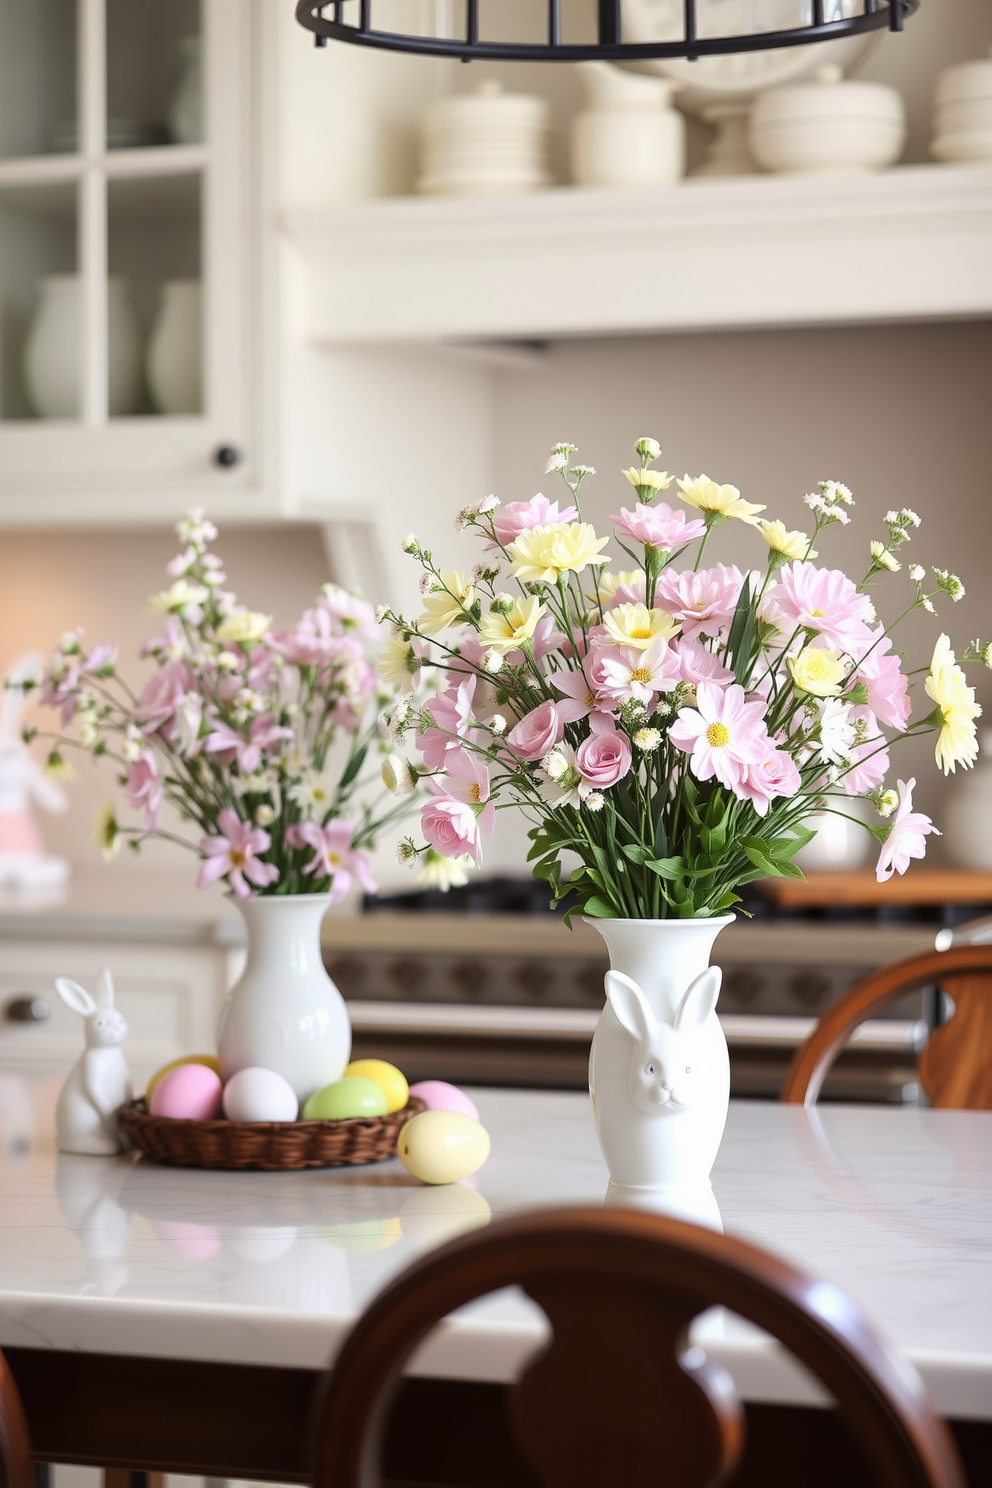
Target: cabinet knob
x,y
26,1009
227,456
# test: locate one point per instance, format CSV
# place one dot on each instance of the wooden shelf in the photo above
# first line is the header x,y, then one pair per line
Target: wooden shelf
x,y
910,244
862,890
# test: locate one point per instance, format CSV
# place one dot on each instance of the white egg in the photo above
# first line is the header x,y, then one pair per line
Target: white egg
x,y
257,1094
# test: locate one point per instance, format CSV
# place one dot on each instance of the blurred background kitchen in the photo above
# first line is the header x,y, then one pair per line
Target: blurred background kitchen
x,y
297,287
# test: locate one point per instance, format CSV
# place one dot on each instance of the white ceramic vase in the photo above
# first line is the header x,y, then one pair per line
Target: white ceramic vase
x,y
659,1071
285,1013
54,350
629,135
175,349
967,815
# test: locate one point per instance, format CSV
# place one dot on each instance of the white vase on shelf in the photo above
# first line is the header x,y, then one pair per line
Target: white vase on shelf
x,y
174,362
629,135
967,816
285,1013
53,354
659,1071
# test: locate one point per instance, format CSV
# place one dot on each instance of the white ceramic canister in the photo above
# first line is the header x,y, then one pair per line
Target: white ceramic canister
x,y
285,1013
629,135
174,362
967,815
841,841
962,113
828,127
54,351
485,143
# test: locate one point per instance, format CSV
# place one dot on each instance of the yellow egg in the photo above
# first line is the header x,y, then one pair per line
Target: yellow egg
x,y
386,1075
442,1146
210,1060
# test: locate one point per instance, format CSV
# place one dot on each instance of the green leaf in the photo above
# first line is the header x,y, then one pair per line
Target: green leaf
x,y
670,869
636,852
760,860
352,768
599,909
741,637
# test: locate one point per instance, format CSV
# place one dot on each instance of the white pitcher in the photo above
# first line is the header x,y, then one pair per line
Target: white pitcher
x,y
175,349
53,355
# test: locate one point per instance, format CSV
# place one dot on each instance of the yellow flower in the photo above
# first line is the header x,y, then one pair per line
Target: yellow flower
x,y
177,597
781,540
818,671
443,873
57,768
541,554
106,833
635,625
719,501
243,627
609,583
955,712
651,481
507,630
446,605
397,660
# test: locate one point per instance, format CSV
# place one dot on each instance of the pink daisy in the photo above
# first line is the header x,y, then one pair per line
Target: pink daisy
x,y
629,673
887,688
234,854
704,602
775,776
657,526
906,837
723,734
334,857
697,664
824,600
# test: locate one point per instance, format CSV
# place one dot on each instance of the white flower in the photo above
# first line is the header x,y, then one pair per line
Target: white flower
x,y
490,504
647,739
837,732
554,764
834,491
411,544
492,660
398,775
595,801
264,815
229,661
917,573
498,724
559,457
106,833
189,716
314,793
133,744
883,558
69,643
648,449
949,583
405,852
243,627
380,612
439,872
180,597
887,803
195,529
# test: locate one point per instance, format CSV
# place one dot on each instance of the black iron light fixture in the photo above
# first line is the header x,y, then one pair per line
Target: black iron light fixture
x,y
696,30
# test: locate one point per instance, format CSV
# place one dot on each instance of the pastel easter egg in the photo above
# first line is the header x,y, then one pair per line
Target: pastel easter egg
x,y
442,1146
210,1060
193,1242
350,1096
190,1093
256,1094
438,1095
388,1076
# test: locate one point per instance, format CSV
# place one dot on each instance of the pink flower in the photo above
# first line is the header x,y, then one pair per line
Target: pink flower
x,y
264,736
869,760
453,717
887,688
906,837
163,695
775,776
235,854
628,673
579,693
466,778
537,732
351,613
723,734
104,654
521,516
451,827
824,600
704,602
603,758
144,788
634,592
657,526
545,640
697,664
334,857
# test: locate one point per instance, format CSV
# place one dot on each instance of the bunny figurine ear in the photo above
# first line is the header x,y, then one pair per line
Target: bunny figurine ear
x,y
74,996
630,1007
700,1000
105,989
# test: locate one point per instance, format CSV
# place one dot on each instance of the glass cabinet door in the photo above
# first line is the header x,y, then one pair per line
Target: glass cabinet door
x,y
123,260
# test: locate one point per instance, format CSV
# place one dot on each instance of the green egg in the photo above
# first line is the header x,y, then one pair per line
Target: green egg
x,y
351,1096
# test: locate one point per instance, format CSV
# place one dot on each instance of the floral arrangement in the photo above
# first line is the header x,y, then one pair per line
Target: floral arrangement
x,y
258,736
672,726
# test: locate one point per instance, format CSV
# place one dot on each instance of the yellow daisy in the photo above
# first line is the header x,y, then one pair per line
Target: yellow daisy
x,y
543,553
506,630
636,625
447,604
719,502
955,712
818,671
781,540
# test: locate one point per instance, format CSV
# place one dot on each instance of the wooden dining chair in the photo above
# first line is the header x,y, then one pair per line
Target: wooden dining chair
x,y
619,1399
15,1444
955,1067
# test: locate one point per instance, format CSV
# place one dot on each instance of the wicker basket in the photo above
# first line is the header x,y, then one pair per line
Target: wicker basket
x,y
265,1144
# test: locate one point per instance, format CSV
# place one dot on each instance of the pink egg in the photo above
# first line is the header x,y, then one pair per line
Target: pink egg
x,y
440,1096
192,1092
191,1241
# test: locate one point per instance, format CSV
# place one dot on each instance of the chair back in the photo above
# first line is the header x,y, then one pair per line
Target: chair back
x,y
618,1398
955,1067
15,1445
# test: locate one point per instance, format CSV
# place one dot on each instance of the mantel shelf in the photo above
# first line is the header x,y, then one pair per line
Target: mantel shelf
x,y
911,244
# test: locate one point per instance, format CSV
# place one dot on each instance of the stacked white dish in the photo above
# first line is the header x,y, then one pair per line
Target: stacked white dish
x,y
962,112
828,127
486,143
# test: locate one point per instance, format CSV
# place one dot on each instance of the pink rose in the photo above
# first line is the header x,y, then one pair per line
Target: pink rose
x,y
451,827
657,526
536,733
603,758
775,776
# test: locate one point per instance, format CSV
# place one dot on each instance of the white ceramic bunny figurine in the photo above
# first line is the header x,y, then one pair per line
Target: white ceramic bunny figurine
x,y
23,860
99,1081
669,1085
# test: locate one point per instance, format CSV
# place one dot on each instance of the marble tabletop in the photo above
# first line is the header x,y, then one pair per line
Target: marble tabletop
x,y
120,1256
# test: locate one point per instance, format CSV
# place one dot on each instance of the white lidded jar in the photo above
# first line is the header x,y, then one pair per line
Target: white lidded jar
x,y
175,349
967,816
629,135
962,113
828,127
53,355
486,143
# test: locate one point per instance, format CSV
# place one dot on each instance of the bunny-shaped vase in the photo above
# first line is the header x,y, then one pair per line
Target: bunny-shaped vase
x,y
99,1082
659,1072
